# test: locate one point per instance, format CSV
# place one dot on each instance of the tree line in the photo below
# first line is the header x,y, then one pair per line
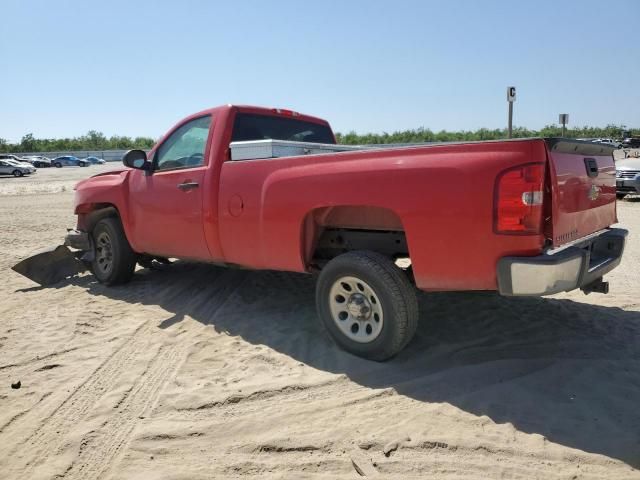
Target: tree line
x,y
94,140
425,135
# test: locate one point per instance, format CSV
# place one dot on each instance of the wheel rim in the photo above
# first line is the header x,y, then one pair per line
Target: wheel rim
x,y
356,309
104,253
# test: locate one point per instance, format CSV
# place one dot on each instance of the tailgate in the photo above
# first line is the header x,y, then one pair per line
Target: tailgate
x,y
583,188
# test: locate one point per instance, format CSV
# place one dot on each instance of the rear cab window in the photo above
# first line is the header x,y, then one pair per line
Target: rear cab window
x,y
251,126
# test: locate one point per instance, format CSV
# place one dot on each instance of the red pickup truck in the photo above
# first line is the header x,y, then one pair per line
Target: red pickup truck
x,y
523,217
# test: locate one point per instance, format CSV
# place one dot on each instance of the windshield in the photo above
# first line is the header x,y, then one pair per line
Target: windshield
x,y
249,126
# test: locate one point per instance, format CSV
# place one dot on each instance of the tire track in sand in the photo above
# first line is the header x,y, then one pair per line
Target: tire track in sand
x,y
48,437
100,449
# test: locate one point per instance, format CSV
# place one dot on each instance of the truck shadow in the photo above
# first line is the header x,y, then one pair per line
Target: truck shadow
x,y
566,370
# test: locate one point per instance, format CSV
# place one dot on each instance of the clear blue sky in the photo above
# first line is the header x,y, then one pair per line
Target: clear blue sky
x,y
136,67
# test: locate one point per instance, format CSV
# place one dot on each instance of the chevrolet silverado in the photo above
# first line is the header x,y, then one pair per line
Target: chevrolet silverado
x,y
523,217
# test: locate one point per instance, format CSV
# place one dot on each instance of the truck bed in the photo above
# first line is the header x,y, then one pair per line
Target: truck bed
x,y
270,148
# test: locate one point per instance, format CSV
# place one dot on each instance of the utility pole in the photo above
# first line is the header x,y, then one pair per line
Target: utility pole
x,y
511,97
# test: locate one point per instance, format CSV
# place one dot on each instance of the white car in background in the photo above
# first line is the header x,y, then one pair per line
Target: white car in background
x,y
627,177
608,141
23,164
8,156
17,169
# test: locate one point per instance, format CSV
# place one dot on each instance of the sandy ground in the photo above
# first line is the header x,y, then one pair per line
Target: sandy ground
x,y
200,372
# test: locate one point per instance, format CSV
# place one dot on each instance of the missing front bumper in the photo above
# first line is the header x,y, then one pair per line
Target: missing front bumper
x,y
78,240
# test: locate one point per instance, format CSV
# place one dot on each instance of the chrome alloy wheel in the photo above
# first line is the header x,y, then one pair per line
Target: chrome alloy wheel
x,y
356,309
104,252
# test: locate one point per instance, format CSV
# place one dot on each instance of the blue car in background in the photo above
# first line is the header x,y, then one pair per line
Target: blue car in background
x,y
69,161
95,160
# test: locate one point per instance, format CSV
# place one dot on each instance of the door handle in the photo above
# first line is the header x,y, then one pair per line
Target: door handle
x,y
187,186
591,165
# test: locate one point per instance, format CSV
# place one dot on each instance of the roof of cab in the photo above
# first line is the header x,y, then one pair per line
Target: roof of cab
x,y
274,111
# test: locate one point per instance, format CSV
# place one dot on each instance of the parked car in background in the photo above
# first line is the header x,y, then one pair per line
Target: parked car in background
x,y
38,161
8,156
22,163
627,177
608,141
11,167
69,161
95,160
631,142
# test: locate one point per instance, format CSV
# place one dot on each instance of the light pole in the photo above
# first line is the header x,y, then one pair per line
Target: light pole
x,y
511,97
563,119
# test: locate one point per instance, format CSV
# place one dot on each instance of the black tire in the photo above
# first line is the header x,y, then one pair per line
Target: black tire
x,y
17,173
58,165
620,196
118,266
396,297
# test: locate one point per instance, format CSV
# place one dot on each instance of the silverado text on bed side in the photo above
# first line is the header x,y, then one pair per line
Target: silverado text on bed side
x,y
523,217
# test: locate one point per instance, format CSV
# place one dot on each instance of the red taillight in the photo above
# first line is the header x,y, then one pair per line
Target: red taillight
x,y
518,200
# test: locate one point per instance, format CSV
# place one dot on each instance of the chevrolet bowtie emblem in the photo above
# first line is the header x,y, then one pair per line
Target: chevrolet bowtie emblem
x,y
594,192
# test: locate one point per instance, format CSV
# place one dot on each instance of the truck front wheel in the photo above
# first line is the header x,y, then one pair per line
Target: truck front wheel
x,y
114,261
367,304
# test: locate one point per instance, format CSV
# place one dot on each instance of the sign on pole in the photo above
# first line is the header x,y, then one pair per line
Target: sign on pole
x,y
563,119
511,97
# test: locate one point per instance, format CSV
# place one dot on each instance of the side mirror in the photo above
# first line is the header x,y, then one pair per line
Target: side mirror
x,y
136,159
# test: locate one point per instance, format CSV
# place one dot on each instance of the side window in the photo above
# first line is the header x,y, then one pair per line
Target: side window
x,y
184,147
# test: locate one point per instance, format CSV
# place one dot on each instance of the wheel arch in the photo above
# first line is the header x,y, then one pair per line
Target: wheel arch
x,y
91,213
380,228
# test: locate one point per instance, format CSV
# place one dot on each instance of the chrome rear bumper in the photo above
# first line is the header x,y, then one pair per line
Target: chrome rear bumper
x,y
578,266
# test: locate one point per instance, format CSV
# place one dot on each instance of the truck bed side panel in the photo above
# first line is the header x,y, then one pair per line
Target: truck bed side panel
x,y
442,194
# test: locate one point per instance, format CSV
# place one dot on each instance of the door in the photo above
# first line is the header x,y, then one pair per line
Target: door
x,y
166,206
5,168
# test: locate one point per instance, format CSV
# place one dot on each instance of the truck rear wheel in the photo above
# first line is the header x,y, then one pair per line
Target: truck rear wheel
x,y
367,304
114,261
